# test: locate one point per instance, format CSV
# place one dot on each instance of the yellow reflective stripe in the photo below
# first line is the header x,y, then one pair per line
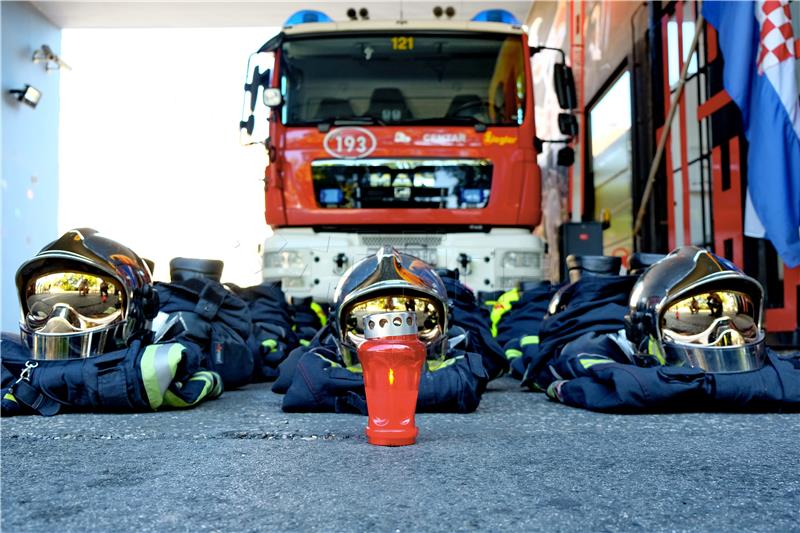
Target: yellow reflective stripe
x,y
511,353
272,344
173,400
502,307
591,362
438,364
654,349
214,379
158,365
323,318
529,339
9,396
304,342
333,363
356,368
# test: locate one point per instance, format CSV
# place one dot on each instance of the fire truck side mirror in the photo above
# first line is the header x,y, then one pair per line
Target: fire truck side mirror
x,y
565,157
565,86
568,124
254,125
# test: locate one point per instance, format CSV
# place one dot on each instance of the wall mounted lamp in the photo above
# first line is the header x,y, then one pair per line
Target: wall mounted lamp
x,y
29,95
49,58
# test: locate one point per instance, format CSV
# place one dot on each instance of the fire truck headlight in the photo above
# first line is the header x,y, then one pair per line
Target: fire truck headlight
x,y
286,259
520,260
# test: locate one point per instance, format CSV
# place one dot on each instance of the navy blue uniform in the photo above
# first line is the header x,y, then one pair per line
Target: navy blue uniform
x,y
602,384
213,320
519,327
314,377
139,378
273,335
593,305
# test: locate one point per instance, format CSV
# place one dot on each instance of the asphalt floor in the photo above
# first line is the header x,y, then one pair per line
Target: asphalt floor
x,y
520,463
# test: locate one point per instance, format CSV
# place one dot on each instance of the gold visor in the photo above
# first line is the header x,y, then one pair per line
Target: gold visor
x,y
64,302
714,318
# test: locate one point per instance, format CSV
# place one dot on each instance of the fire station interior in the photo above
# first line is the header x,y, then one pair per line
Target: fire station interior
x,y
626,58
410,265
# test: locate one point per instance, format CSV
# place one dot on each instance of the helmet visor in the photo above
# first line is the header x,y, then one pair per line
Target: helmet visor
x,y
717,358
429,315
717,318
63,345
717,331
71,302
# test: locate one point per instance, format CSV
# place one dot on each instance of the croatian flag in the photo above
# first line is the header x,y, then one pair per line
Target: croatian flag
x,y
761,57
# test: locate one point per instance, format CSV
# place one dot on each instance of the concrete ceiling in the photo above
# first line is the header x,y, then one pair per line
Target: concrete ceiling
x,y
201,14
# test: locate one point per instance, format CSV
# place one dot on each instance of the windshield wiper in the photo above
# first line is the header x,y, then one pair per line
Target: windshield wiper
x,y
445,121
325,125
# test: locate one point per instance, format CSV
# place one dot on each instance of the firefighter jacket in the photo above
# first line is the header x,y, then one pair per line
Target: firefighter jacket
x,y
315,378
601,372
139,378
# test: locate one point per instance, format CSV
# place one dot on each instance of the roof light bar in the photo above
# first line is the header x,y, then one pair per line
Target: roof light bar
x,y
496,15
306,16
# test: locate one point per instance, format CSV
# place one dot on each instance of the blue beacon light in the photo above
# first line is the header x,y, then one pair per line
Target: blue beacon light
x,y
306,16
496,15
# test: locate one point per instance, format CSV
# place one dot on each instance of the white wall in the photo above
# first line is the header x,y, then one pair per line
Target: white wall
x,y
150,152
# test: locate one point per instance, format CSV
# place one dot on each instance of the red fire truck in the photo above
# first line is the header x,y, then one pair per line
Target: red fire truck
x,y
417,134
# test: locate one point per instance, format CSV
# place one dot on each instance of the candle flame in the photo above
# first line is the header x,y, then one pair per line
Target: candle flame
x,y
391,376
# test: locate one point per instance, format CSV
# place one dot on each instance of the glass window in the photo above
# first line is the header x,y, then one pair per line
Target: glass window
x,y
610,128
388,183
405,78
687,34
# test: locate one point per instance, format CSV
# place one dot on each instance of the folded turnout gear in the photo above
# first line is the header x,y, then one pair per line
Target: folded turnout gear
x,y
462,355
321,383
203,315
139,378
597,372
466,314
591,304
518,327
272,337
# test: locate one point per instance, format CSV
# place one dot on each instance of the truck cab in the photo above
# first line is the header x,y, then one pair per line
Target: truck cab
x,y
417,134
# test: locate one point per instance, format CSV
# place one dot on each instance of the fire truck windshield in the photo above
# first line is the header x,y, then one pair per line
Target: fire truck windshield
x,y
404,78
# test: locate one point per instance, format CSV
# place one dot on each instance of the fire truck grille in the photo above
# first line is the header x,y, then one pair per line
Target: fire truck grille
x,y
422,246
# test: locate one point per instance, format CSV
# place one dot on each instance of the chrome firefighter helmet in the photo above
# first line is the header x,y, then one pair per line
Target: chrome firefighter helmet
x,y
693,308
390,281
83,295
